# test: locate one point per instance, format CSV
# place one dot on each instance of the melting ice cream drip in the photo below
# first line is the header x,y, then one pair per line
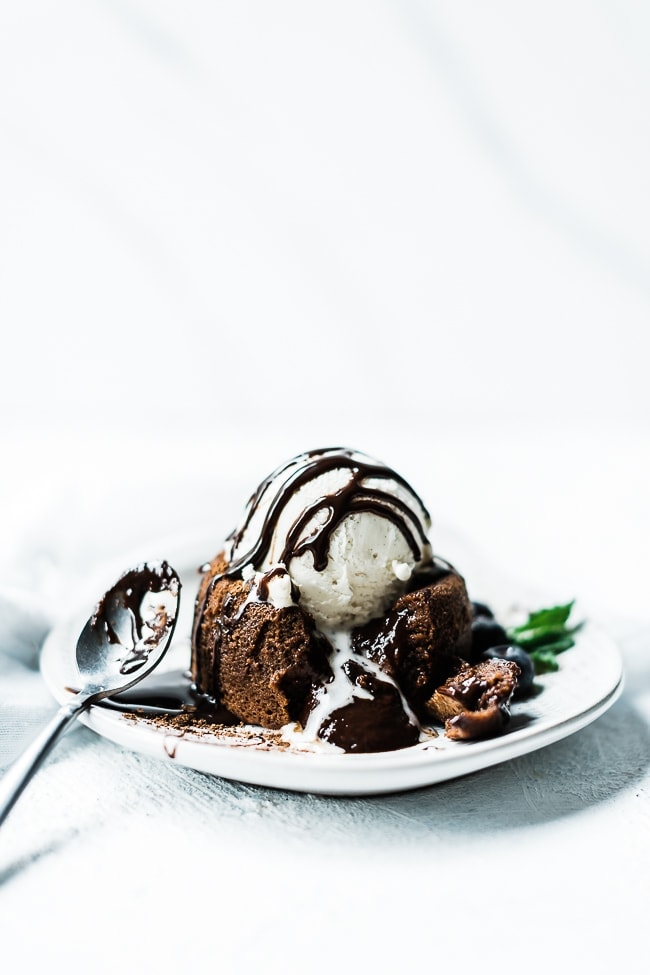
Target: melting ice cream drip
x,y
341,691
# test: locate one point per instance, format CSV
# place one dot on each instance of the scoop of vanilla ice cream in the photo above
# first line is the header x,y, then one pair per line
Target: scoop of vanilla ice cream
x,y
369,556
368,565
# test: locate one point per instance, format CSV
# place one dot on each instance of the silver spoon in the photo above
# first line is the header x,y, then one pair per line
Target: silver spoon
x,y
122,642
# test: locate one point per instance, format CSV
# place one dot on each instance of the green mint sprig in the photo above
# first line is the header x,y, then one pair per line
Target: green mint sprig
x,y
544,635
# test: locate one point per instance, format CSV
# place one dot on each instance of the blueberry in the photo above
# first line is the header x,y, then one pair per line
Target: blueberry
x,y
518,656
486,633
482,610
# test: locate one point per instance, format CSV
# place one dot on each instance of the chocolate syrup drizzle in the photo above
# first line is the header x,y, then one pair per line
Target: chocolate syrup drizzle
x,y
355,496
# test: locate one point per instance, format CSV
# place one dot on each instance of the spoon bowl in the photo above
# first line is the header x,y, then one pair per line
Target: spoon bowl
x,y
124,639
130,630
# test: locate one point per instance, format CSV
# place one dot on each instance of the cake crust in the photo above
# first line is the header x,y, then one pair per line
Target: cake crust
x,y
261,663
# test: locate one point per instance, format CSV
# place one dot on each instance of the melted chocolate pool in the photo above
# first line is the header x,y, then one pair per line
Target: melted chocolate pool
x,y
172,693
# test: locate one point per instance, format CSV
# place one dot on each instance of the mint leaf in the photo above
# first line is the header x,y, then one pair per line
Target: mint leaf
x,y
539,635
544,660
544,635
552,616
558,645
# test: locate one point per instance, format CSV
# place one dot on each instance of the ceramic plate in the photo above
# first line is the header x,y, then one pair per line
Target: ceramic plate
x,y
587,684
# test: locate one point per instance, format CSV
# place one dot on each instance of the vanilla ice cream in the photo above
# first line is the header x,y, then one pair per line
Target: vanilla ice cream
x,y
335,531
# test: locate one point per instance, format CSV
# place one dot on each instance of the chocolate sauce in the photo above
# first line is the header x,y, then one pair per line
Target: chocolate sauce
x,y
484,692
346,501
354,496
275,573
383,640
388,642
468,691
374,724
483,684
428,575
128,593
130,589
170,694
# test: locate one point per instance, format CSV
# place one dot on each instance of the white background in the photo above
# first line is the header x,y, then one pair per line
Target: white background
x,y
233,231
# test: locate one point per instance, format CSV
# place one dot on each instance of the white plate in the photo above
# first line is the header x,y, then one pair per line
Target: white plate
x,y
587,684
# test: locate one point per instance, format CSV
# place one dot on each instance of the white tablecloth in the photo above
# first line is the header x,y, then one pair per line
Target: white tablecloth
x,y
231,233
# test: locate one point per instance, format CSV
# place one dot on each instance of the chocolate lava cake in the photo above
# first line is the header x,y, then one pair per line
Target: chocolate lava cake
x,y
264,664
328,615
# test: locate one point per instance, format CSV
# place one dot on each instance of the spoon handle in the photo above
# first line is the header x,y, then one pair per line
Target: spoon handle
x,y
18,775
